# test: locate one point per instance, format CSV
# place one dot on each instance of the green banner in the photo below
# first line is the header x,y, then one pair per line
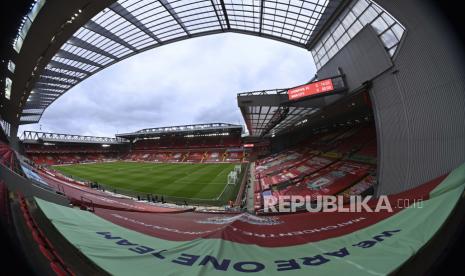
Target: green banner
x,y
375,250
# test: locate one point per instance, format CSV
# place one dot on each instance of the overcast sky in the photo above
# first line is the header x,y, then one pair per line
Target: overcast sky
x,y
193,81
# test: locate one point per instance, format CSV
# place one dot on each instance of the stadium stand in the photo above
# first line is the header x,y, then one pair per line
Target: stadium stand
x,y
328,181
328,163
187,155
205,143
340,160
363,188
181,142
366,154
234,155
195,156
69,153
334,161
213,156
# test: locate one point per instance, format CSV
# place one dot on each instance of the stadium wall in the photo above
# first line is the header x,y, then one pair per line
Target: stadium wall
x,y
418,98
16,183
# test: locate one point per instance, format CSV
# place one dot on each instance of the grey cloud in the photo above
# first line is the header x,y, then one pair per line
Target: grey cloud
x,y
193,81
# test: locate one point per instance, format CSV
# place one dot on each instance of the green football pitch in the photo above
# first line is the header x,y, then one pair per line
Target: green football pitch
x,y
173,181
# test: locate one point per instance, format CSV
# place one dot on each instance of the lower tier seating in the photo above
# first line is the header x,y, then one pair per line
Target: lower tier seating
x,y
338,161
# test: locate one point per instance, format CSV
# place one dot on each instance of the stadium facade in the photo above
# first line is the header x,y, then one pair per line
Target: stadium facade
x,y
385,111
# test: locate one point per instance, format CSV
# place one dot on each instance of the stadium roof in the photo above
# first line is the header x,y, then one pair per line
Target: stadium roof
x,y
269,112
35,137
262,120
210,128
128,27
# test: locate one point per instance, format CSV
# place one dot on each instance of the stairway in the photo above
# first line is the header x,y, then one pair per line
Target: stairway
x,y
205,154
185,157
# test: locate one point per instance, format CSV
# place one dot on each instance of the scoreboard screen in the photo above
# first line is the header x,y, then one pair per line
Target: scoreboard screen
x,y
311,89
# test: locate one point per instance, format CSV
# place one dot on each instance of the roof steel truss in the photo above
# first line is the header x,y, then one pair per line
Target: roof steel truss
x,y
128,27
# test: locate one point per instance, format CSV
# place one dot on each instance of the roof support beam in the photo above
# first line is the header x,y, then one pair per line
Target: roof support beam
x,y
55,81
41,85
96,28
54,74
171,11
58,137
217,15
59,65
223,6
280,114
87,46
34,111
34,104
331,12
44,91
124,13
261,16
43,97
65,54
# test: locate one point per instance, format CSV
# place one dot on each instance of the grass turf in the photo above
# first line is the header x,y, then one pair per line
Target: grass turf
x,y
200,181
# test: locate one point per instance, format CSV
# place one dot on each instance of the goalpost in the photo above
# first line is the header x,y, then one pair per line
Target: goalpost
x,y
232,178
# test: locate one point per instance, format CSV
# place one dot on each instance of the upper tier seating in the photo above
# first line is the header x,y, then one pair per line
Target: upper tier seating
x,y
69,154
181,142
186,155
69,158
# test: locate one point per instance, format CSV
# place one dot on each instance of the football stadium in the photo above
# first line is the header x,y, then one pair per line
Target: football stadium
x,y
358,171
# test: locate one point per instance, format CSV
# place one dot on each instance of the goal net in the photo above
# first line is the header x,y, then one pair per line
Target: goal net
x,y
232,177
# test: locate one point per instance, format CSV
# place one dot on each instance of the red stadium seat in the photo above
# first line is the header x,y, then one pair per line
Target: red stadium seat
x,y
47,254
58,269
